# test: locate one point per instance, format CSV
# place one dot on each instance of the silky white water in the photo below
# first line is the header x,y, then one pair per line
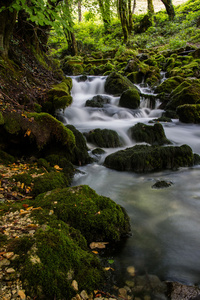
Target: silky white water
x,y
165,223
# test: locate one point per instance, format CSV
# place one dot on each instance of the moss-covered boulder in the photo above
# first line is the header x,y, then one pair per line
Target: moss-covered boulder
x,y
105,138
49,181
80,155
130,99
97,217
144,158
185,93
189,113
72,65
54,257
116,84
153,135
97,101
59,96
35,134
169,85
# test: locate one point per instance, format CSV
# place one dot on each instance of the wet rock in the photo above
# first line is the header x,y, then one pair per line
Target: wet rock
x,y
84,295
153,135
162,184
189,113
179,291
130,99
105,138
144,158
75,285
98,101
116,84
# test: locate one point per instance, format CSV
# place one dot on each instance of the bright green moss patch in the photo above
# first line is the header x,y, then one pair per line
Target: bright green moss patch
x,y
97,217
52,259
49,181
105,138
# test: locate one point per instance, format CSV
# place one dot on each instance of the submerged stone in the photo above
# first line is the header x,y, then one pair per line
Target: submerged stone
x,y
153,135
97,101
144,158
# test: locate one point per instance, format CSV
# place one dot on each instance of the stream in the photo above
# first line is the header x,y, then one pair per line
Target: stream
x,y
165,223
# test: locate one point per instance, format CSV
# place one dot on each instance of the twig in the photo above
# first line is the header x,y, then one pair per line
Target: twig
x,y
10,99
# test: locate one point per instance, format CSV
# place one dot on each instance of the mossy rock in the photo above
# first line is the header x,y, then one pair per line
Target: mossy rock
x,y
72,65
80,154
105,138
153,135
135,77
185,93
169,85
132,66
35,134
59,96
161,184
144,158
170,114
130,99
97,101
49,181
52,259
62,162
97,217
189,113
116,84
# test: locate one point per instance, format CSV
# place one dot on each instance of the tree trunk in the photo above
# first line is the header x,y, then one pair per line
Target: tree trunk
x,y
7,23
169,8
134,6
150,6
105,12
122,5
130,18
69,34
79,11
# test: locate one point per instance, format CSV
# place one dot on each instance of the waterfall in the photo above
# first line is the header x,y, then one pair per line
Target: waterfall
x,y
165,223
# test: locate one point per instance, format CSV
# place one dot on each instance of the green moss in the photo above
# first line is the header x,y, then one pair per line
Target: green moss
x,y
189,113
117,84
23,178
37,108
80,152
130,99
169,85
12,123
50,128
49,181
104,138
1,119
185,93
143,158
6,158
59,95
97,217
52,259
153,135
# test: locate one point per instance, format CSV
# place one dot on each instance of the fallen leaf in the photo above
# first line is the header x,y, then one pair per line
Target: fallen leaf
x,y
95,252
99,245
28,132
57,168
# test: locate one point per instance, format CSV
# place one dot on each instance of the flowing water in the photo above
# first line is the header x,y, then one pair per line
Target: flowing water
x,y
165,222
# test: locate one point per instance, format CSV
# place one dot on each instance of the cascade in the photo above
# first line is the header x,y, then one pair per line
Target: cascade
x,y
165,223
